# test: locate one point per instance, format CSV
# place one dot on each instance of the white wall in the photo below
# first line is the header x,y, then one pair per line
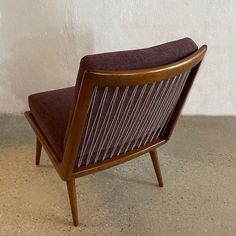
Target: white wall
x,y
41,43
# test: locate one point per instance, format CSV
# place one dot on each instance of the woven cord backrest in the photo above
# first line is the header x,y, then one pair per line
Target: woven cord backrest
x,y
121,119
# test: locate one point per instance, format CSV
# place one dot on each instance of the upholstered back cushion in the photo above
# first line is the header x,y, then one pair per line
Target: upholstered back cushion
x,y
127,60
141,58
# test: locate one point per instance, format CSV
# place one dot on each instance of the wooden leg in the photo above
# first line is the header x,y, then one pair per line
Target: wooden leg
x,y
156,166
73,200
38,151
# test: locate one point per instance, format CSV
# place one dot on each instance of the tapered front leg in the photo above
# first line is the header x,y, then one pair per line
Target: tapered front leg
x,y
156,166
73,200
38,151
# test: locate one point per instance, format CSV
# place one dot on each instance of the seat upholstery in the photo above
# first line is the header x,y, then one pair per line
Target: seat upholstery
x,y
52,110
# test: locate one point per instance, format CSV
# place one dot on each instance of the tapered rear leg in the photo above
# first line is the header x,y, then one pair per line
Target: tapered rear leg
x,y
73,200
38,151
156,166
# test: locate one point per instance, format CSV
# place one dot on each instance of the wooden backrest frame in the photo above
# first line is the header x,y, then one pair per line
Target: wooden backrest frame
x,y
91,79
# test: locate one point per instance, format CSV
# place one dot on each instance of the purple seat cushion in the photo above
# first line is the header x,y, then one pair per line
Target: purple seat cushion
x,y
52,110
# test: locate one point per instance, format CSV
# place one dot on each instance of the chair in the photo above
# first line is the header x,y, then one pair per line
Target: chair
x,y
124,104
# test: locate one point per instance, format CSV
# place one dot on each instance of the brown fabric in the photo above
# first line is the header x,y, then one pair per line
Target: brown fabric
x,y
51,111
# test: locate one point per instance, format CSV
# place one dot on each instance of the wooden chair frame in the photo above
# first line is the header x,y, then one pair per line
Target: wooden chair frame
x,y
89,81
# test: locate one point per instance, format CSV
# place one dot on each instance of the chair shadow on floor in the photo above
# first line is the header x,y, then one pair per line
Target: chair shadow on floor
x,y
113,176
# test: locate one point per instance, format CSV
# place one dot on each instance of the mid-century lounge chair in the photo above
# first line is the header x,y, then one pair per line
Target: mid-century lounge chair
x,y
124,104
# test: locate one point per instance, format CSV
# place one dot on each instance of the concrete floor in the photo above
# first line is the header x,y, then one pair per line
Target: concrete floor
x,y
199,196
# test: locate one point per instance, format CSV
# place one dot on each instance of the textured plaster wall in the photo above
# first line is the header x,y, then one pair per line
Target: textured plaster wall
x,y
41,43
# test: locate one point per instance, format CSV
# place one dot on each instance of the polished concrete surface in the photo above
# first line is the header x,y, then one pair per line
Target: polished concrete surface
x,y
198,198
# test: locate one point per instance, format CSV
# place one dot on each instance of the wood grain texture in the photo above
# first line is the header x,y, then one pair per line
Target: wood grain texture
x,y
156,166
73,200
38,151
